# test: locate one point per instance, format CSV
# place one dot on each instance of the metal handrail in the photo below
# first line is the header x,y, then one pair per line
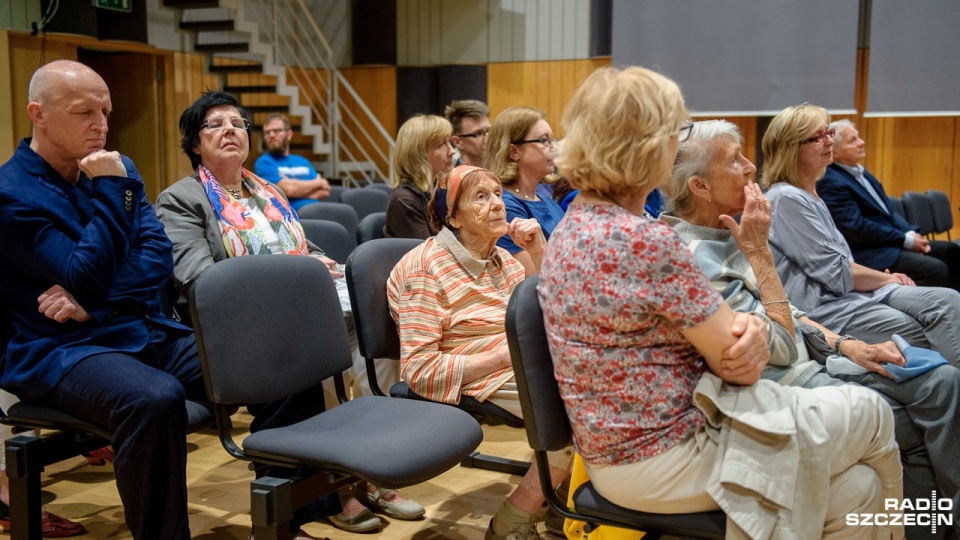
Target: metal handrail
x,y
299,47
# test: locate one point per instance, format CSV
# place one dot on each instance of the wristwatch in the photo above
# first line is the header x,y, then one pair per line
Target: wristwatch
x,y
841,339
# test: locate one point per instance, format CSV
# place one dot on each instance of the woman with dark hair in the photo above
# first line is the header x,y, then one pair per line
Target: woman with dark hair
x,y
224,210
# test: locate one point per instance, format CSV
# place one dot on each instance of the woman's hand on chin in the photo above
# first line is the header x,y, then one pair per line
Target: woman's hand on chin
x,y
753,231
527,235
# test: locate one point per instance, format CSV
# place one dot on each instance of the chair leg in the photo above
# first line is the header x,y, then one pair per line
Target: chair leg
x,y
476,460
271,508
24,457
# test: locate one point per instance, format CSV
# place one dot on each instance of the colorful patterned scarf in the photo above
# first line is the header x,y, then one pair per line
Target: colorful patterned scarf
x,y
239,231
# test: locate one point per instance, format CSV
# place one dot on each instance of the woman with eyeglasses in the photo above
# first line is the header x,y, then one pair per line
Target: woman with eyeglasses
x,y
423,155
520,151
223,210
815,263
659,376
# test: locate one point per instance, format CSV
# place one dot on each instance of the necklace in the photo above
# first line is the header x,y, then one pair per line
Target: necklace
x,y
237,193
517,190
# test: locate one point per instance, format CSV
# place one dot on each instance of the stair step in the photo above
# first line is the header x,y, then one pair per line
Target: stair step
x,y
222,47
186,4
206,26
250,89
237,68
280,108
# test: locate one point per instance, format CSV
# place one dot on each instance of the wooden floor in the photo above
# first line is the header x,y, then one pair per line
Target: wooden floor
x,y
459,502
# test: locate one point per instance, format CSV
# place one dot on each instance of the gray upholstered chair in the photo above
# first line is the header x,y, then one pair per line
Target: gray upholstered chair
x,y
371,227
301,342
335,192
548,428
381,186
918,210
367,271
365,201
330,236
343,214
942,212
896,206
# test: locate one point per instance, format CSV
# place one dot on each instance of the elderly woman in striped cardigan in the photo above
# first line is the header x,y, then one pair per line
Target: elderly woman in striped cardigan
x,y
449,298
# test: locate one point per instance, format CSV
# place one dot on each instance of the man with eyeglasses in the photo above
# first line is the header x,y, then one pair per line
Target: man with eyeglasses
x,y
82,263
293,174
879,237
470,119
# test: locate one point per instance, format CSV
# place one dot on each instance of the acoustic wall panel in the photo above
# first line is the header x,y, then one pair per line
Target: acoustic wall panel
x,y
743,57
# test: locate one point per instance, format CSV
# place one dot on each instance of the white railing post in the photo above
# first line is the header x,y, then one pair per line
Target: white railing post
x,y
333,111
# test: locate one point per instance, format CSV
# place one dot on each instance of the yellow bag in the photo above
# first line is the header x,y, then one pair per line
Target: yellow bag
x,y
574,529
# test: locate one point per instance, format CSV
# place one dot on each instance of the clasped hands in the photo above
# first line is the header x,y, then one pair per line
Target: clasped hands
x,y
742,362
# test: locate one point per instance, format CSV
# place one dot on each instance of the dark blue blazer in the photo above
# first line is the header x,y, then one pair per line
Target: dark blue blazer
x,y
100,240
875,237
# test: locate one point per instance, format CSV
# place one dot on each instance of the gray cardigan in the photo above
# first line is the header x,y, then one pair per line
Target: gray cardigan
x,y
194,229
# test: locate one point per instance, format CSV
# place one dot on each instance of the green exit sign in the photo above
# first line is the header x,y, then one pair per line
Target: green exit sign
x,y
115,5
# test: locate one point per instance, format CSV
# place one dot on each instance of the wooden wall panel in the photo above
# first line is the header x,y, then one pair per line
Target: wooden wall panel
x,y
377,87
545,85
186,79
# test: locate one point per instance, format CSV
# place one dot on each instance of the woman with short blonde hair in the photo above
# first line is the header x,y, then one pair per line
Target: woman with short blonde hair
x,y
646,351
423,154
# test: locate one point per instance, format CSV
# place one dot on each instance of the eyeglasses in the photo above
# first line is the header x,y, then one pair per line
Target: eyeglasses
x,y
272,132
819,136
480,133
216,123
546,141
685,131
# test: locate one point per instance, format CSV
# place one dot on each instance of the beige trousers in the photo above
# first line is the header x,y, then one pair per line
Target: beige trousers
x,y
864,467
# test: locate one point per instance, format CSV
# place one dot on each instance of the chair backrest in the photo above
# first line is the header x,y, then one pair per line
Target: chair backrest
x,y
335,192
365,201
381,186
917,207
267,327
544,415
368,269
343,214
942,212
330,236
896,206
371,227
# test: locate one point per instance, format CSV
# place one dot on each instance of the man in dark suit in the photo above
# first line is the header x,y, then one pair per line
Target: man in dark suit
x,y
82,262
879,237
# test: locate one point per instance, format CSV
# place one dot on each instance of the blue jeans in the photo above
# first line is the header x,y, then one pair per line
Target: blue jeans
x,y
140,399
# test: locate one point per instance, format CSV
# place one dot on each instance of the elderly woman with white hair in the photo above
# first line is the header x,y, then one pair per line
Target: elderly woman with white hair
x,y
712,182
625,303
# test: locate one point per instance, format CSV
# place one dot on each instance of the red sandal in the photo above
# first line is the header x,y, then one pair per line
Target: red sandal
x,y
51,526
100,456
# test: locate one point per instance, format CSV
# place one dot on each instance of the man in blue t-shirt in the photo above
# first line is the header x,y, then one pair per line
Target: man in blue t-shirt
x,y
293,174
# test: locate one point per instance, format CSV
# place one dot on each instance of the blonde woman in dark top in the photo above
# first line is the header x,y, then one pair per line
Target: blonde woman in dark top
x,y
422,156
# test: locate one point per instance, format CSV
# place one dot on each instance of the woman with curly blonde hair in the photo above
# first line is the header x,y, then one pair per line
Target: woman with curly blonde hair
x,y
660,377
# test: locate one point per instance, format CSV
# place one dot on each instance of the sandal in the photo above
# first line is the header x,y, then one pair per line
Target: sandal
x,y
51,526
100,456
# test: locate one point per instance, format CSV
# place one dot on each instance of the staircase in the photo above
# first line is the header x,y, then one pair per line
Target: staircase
x,y
282,63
